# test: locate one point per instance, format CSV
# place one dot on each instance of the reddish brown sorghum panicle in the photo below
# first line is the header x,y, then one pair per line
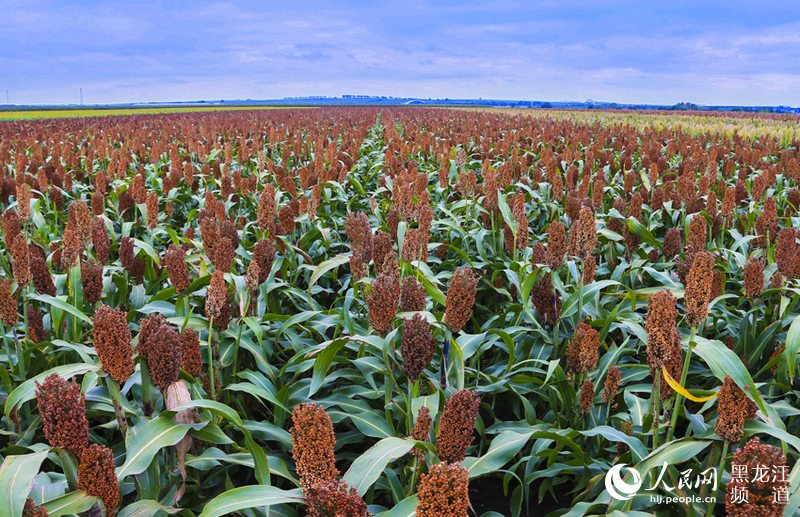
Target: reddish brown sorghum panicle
x,y
673,243
545,300
582,352
190,352
264,254
556,244
177,268
390,266
32,509
457,425
24,200
611,388
81,217
733,408
112,340
267,209
460,298
217,295
753,277
626,427
70,246
223,254
42,280
126,253
96,476
767,222
583,234
444,492
36,331
696,238
152,210
383,301
589,267
359,234
8,304
252,276
11,227
760,490
699,288
334,499
62,408
660,327
422,430
164,356
673,364
381,246
313,441
100,240
418,346
787,253
21,261
92,281
586,400
412,296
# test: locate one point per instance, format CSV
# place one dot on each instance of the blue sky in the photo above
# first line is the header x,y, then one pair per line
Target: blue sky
x,y
728,52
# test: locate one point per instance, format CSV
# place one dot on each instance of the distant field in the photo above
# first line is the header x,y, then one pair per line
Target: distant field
x,y
74,113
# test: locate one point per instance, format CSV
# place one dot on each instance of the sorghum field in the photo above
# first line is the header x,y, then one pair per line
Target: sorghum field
x,y
343,312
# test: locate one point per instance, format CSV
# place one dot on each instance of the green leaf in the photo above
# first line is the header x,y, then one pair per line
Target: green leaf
x,y
326,266
27,390
146,508
405,508
367,468
752,427
63,305
16,478
504,447
368,423
505,210
72,503
792,346
226,412
323,363
723,361
255,496
155,435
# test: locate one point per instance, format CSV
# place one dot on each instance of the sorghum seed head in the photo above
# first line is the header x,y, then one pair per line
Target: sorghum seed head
x,y
457,425
383,301
660,327
582,353
42,280
32,509
177,268
422,430
556,244
21,260
460,298
583,234
444,492
613,376
97,477
152,210
62,408
190,352
8,304
264,254
36,331
217,296
753,277
334,498
92,281
112,341
313,442
126,253
412,296
586,400
733,408
164,356
359,234
673,242
381,246
699,287
696,238
418,346
100,240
